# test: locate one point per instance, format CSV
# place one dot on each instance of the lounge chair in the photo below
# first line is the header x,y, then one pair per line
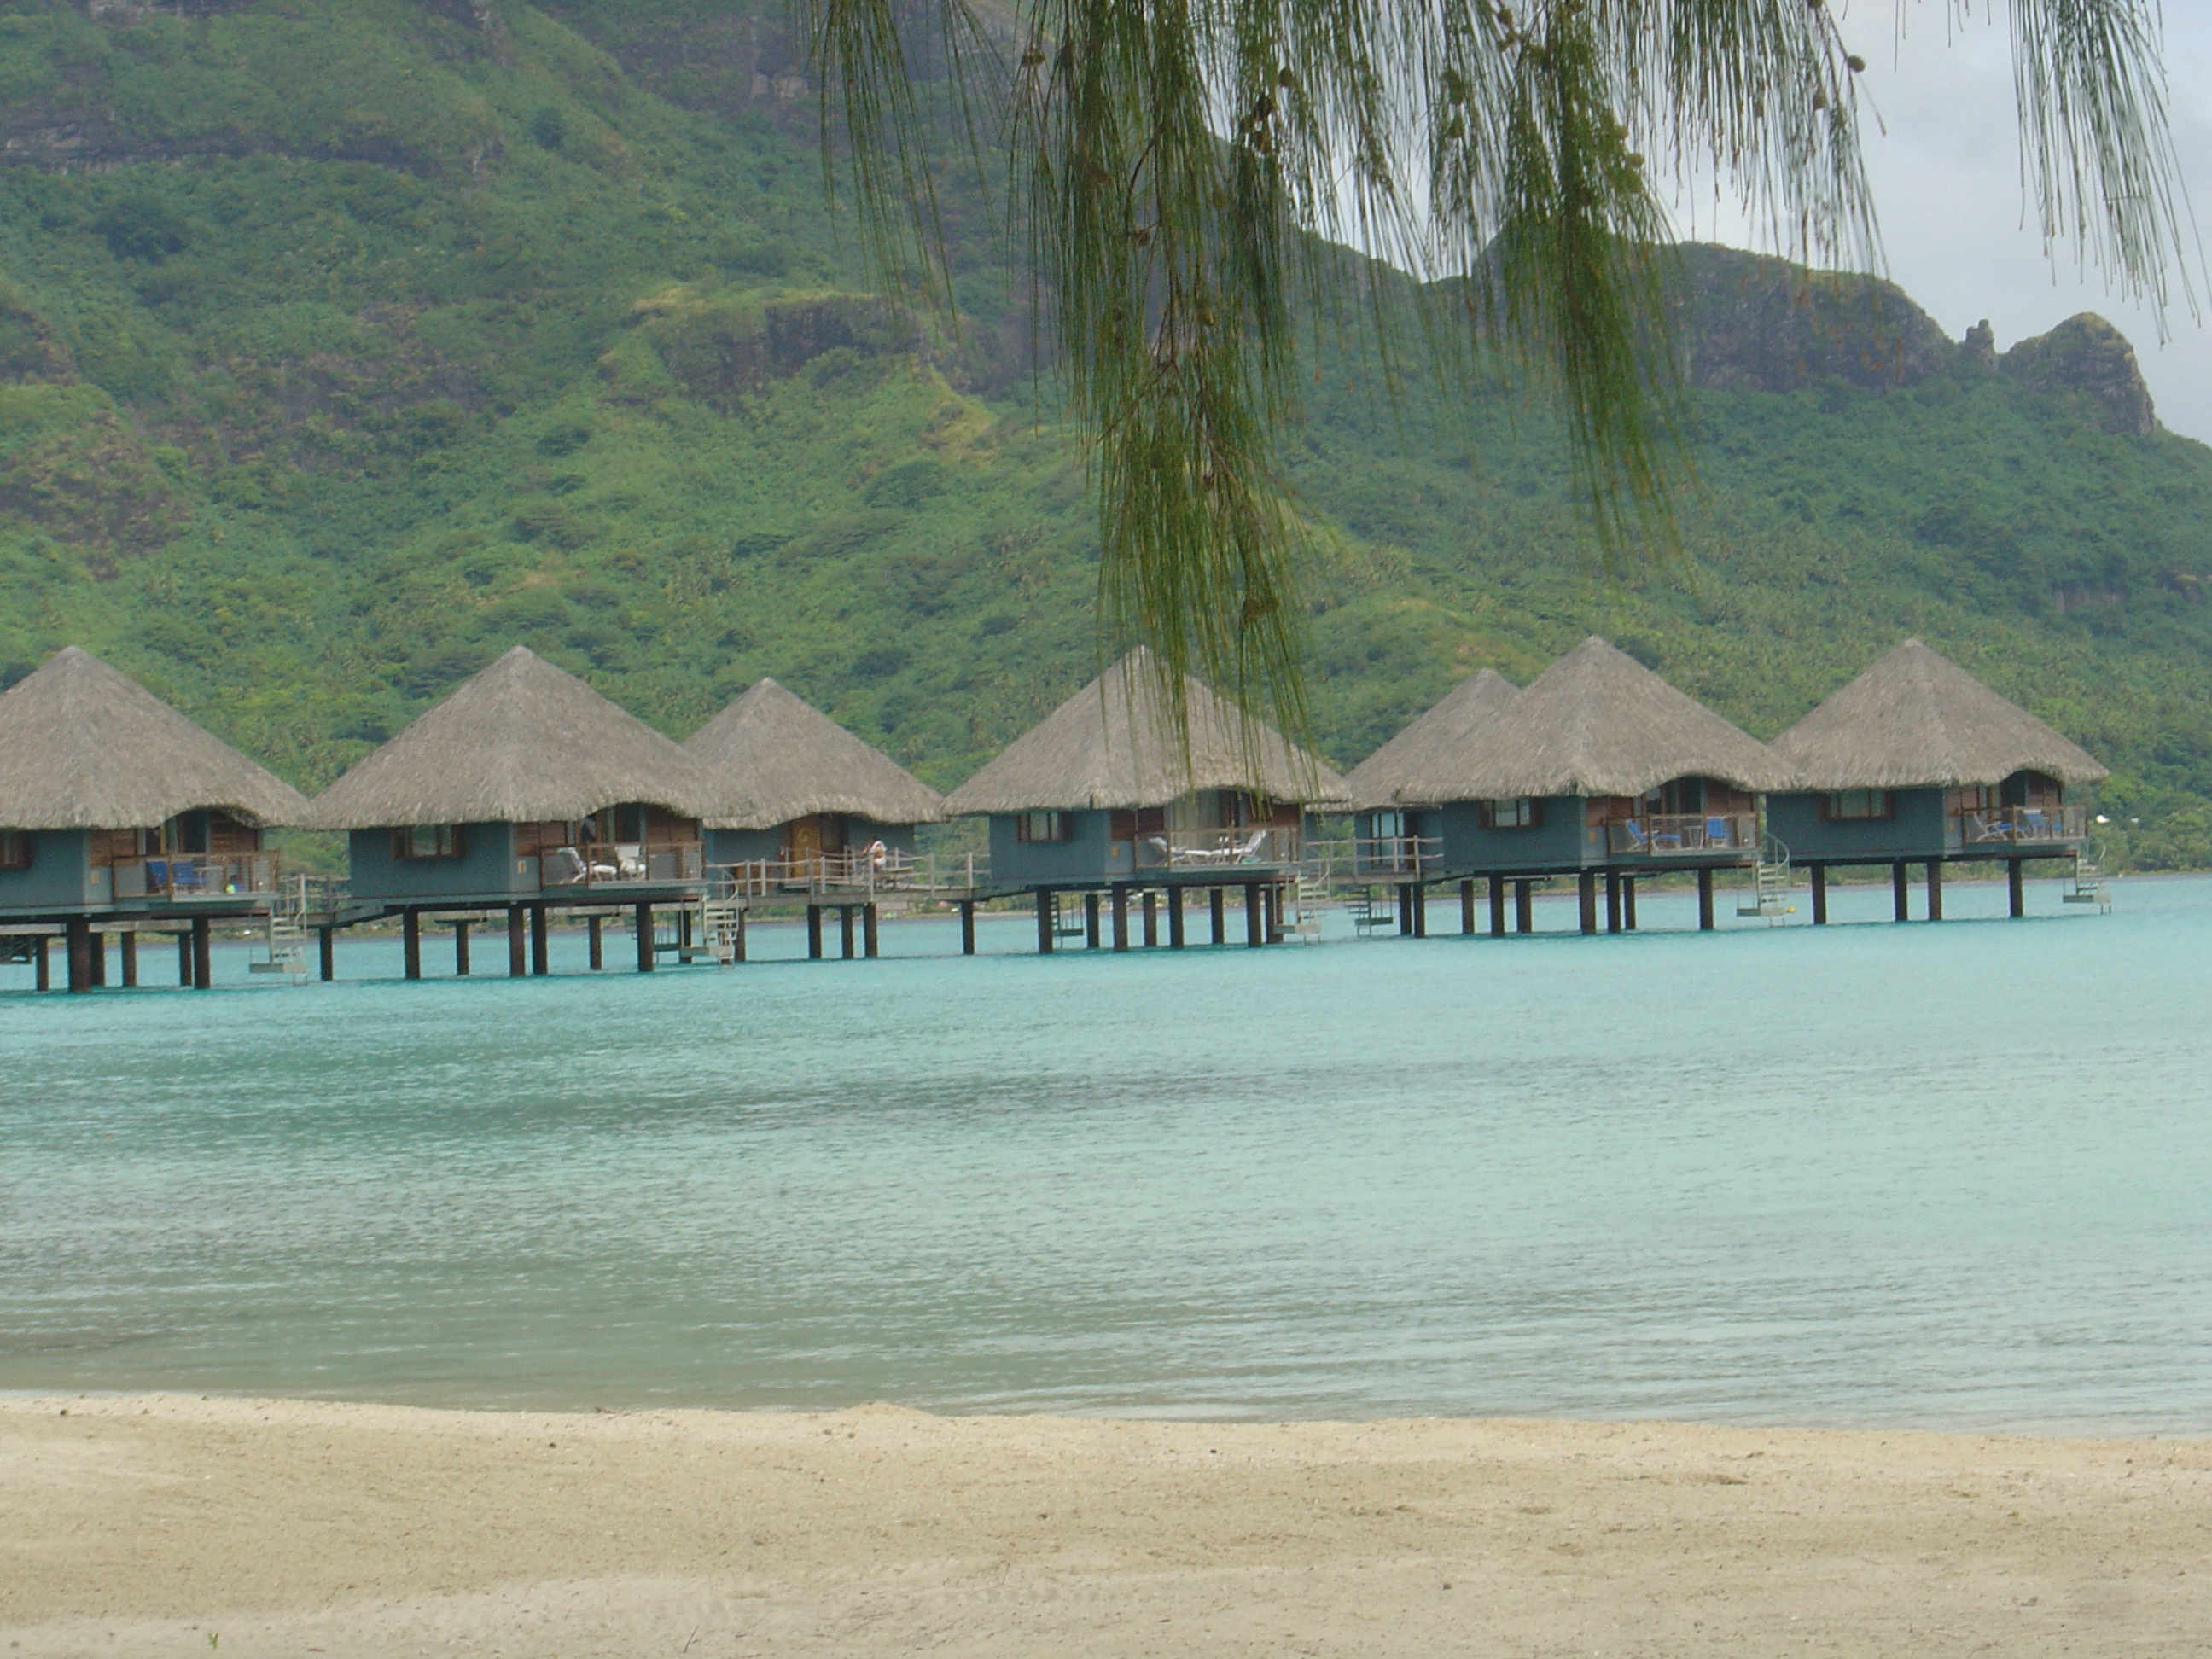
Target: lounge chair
x,y
565,867
1637,841
1250,852
1719,832
629,861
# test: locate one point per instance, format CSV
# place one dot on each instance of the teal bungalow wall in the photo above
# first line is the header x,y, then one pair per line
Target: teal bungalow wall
x,y
1090,856
486,869
1556,841
61,876
1919,829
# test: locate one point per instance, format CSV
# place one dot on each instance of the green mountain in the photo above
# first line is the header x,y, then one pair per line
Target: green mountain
x,y
345,343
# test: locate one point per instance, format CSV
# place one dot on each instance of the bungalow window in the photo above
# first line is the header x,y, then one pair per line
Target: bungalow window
x,y
1843,806
1044,826
15,850
427,840
1389,826
1512,812
1129,825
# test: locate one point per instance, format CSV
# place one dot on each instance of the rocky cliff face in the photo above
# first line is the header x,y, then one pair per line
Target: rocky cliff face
x,y
1753,324
2086,357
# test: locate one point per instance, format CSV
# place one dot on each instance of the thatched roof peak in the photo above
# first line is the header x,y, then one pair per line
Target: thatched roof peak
x,y
1113,746
1411,768
84,746
1598,722
1917,720
790,760
521,741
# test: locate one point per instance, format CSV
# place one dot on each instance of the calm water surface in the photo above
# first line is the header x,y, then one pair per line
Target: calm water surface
x,y
1950,1177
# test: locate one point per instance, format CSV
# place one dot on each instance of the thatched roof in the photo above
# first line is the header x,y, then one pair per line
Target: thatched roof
x,y
1917,720
1598,722
83,746
521,742
1409,769
791,760
1111,745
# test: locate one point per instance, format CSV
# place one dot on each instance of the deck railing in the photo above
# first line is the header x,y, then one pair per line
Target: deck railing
x,y
1671,834
184,877
1215,849
1394,855
857,873
2013,825
623,864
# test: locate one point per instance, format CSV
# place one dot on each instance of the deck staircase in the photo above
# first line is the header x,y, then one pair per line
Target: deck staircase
x,y
282,947
2086,883
1772,881
1370,907
721,919
1302,908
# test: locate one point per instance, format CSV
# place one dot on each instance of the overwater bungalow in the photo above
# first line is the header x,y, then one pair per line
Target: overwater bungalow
x,y
1916,760
118,817
1102,799
523,791
1597,769
829,819
1397,826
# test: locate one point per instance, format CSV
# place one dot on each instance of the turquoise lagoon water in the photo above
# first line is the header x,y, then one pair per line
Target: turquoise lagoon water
x,y
1954,1175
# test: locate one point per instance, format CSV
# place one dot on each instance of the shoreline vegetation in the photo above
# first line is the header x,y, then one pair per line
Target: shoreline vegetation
x,y
162,1523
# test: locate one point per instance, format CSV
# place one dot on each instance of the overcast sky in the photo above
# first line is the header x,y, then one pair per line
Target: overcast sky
x,y
1958,235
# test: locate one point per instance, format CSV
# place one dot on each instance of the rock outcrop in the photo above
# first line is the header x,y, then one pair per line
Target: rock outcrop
x,y
2086,357
1750,323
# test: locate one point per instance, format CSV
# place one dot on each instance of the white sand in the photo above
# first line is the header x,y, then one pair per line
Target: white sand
x,y
166,1526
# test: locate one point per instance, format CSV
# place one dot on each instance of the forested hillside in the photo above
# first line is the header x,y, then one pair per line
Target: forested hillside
x,y
345,343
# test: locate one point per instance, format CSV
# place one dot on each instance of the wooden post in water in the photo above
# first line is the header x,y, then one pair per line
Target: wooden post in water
x,y
1174,918
845,932
2015,888
326,940
98,959
410,944
738,939
42,967
184,959
594,926
1090,921
1498,907
1819,896
461,947
203,954
1628,901
1044,920
1121,905
1151,921
128,942
1612,901
1467,906
869,940
967,927
814,932
1220,921
1705,899
1586,899
80,954
1420,890
1934,890
517,946
1524,907
1896,891
1255,923
645,936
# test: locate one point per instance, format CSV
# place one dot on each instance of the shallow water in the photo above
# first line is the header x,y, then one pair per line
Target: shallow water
x,y
1947,1175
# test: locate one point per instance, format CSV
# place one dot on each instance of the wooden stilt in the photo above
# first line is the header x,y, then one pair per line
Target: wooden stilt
x,y
1934,890
203,953
2015,888
326,939
1613,912
1897,891
128,945
1044,920
845,932
1174,918
967,927
644,926
869,939
738,939
1819,896
1255,924
1586,899
98,959
42,967
1467,906
1498,907
1090,935
1405,910
79,933
1706,900
1628,901
461,948
1121,907
1420,910
814,932
518,942
1220,919
410,944
184,959
594,929
1524,907
1151,921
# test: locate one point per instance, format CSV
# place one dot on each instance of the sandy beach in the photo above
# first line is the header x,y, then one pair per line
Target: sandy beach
x,y
165,1525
